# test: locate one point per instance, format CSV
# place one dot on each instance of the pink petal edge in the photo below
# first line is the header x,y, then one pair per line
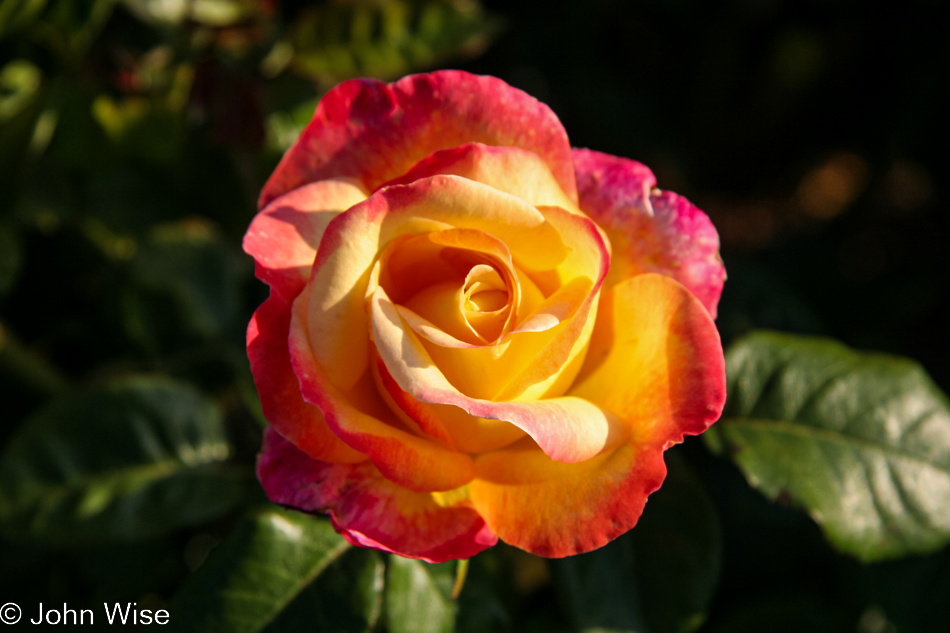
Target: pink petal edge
x,y
372,132
664,232
367,509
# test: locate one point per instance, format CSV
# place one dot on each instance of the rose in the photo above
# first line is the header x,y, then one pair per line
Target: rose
x,y
473,331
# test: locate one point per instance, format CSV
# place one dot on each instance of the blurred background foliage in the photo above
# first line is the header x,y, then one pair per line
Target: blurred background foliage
x,y
134,138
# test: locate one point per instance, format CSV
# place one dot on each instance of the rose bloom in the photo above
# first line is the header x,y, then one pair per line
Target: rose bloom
x,y
475,332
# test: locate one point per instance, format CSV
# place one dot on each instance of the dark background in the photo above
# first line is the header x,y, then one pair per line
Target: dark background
x,y
812,133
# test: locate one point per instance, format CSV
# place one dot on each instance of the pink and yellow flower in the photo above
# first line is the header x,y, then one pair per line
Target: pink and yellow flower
x,y
475,332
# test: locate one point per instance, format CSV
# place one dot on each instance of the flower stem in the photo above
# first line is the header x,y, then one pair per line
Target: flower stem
x,y
461,572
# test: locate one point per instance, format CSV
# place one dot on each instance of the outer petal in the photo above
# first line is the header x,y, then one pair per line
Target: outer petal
x,y
650,230
279,390
369,510
510,169
655,360
360,417
374,132
283,238
554,509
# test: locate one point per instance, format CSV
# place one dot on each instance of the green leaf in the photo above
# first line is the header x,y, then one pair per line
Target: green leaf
x,y
130,461
185,271
861,441
661,576
417,596
346,598
256,572
386,38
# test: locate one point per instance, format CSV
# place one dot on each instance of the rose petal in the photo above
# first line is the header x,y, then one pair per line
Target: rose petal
x,y
468,433
374,132
513,170
655,339
360,417
283,238
427,274
651,231
369,510
533,358
400,404
559,358
543,355
279,390
554,509
568,429
412,263
443,308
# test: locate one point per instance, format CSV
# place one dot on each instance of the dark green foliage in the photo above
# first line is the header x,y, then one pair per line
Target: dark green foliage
x,y
385,38
347,596
256,572
660,577
861,441
134,460
418,597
